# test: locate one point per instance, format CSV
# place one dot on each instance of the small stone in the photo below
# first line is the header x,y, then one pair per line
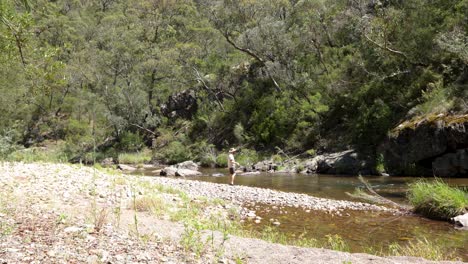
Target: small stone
x,y
72,229
276,223
93,259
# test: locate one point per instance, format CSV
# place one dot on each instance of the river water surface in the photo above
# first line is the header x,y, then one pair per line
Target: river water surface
x,y
362,231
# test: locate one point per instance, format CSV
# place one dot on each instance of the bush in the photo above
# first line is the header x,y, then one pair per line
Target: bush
x,y
140,157
222,160
175,152
204,153
247,157
54,152
7,145
423,248
131,141
437,200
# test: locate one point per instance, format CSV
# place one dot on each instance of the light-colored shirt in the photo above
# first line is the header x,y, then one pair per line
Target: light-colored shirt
x,y
231,161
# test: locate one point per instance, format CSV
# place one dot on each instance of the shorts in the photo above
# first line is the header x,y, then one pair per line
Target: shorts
x,y
231,170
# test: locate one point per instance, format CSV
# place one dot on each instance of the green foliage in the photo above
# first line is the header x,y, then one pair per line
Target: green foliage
x,y
204,153
266,73
437,200
336,242
247,157
379,163
175,152
131,141
222,160
139,157
54,152
7,145
423,248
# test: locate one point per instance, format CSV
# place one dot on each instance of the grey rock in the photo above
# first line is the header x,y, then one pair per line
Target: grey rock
x,y
190,165
430,145
451,164
250,173
461,220
187,172
169,171
107,162
125,167
345,162
180,105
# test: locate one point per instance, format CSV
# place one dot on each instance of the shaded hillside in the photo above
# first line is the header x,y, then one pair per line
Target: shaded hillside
x,y
300,75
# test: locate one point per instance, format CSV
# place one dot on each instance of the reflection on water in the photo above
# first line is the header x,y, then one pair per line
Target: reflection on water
x,y
361,230
364,231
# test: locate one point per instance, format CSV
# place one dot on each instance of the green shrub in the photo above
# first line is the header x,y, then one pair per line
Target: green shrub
x,y
311,152
175,152
247,157
423,248
131,141
277,158
336,242
204,153
437,200
222,160
139,157
51,153
7,145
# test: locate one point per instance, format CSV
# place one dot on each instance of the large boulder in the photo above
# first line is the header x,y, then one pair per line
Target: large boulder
x,y
451,164
266,165
174,171
432,145
169,171
182,104
187,172
189,165
346,162
126,167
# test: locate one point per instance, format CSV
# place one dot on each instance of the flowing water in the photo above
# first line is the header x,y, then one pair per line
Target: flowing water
x,y
362,231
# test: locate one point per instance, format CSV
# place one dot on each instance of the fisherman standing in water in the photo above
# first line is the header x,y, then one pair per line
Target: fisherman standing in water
x,y
232,164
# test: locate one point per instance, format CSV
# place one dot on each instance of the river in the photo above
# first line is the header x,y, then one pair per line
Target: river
x,y
362,231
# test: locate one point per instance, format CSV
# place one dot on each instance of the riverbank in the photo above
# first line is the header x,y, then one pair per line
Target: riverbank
x,y
68,213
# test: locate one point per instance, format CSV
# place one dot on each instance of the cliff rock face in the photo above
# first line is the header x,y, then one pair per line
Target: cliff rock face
x,y
346,163
183,104
434,145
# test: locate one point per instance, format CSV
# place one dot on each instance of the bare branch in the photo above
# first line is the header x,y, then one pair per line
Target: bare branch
x,y
200,79
255,56
386,47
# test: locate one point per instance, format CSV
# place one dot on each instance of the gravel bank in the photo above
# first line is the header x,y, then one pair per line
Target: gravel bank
x,y
243,194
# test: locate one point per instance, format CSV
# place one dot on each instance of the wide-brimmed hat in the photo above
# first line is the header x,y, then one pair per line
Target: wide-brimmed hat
x,y
231,150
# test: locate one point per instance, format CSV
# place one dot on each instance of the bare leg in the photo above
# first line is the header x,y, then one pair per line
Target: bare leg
x,y
233,176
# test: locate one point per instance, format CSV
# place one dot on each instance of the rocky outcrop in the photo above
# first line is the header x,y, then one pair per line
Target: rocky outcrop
x,y
346,162
433,145
183,105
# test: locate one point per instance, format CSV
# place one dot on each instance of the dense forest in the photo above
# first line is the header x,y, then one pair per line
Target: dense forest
x,y
188,78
